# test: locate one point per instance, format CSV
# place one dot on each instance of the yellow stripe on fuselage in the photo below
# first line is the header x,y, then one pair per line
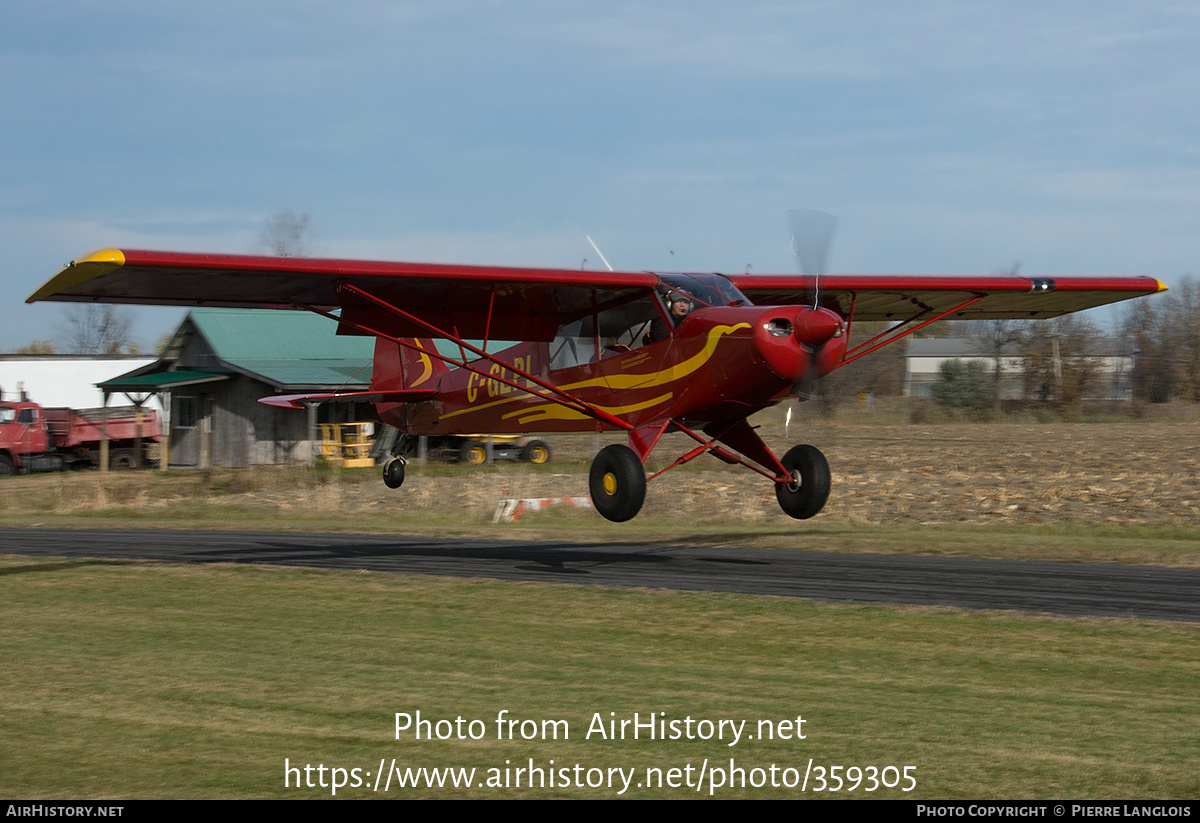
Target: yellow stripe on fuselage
x,y
554,411
624,382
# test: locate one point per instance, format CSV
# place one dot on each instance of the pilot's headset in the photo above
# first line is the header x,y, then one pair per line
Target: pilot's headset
x,y
681,297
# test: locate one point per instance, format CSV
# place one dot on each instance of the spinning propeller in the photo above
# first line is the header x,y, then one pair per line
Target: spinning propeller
x,y
812,237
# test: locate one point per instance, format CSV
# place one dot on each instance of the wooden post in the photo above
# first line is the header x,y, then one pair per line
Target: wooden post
x,y
312,433
104,435
137,438
164,450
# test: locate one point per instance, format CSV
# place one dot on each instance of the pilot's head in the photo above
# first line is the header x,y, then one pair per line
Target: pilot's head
x,y
681,305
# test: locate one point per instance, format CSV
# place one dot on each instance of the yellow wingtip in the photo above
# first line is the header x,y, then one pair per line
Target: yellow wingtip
x,y
80,271
113,256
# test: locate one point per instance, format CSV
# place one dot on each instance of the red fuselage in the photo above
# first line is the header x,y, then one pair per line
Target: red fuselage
x,y
722,363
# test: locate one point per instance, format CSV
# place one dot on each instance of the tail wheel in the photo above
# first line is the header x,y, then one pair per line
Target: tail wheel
x,y
809,489
536,451
618,483
472,452
393,473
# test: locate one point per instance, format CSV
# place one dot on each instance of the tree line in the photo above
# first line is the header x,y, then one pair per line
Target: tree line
x,y
1152,350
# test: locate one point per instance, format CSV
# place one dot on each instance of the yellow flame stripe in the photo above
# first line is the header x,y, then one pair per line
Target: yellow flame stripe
x,y
553,411
624,382
670,375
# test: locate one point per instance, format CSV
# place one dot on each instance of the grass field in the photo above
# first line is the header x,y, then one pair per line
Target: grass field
x,y
125,680
153,680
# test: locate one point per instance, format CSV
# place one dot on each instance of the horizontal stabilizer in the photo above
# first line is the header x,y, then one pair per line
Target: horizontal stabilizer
x,y
298,401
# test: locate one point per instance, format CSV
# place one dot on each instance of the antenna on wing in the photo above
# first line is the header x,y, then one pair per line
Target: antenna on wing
x,y
812,238
597,248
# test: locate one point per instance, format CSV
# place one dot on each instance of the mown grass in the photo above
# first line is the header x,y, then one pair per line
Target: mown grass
x,y
125,680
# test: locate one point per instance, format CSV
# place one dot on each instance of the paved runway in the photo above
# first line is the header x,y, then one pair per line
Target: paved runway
x,y
1096,589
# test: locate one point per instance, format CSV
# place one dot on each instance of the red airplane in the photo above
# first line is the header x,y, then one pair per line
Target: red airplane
x,y
639,351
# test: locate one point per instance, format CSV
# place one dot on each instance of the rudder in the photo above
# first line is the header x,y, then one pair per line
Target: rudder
x,y
402,367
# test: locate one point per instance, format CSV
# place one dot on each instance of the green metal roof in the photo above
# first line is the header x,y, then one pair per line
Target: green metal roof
x,y
287,348
160,380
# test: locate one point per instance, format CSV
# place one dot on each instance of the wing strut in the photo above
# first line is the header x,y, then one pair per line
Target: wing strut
x,y
893,334
554,395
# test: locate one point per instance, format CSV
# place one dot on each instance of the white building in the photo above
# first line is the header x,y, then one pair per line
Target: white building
x,y
925,356
63,379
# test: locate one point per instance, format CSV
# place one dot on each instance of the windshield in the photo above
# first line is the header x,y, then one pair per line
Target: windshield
x,y
705,289
7,414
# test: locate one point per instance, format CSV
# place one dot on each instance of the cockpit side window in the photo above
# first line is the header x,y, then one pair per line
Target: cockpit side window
x,y
615,330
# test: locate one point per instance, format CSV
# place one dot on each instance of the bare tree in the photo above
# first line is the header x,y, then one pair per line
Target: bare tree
x,y
1164,332
997,339
1062,361
283,234
99,328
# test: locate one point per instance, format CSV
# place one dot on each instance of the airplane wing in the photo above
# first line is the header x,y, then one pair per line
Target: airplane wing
x,y
495,302
899,297
530,304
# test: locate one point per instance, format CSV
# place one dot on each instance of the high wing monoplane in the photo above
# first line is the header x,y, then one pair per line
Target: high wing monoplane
x,y
643,352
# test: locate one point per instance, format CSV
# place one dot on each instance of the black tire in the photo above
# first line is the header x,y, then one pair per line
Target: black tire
x,y
618,483
122,459
807,495
393,473
6,466
472,452
536,452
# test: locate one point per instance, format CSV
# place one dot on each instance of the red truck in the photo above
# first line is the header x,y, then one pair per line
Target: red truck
x,y
37,439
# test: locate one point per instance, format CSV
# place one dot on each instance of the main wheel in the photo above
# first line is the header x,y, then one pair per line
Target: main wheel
x,y
472,452
618,483
393,473
809,489
6,466
536,451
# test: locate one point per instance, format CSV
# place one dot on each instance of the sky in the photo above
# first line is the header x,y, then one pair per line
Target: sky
x,y
952,137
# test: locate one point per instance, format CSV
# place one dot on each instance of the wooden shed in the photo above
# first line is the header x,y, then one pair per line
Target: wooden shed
x,y
221,361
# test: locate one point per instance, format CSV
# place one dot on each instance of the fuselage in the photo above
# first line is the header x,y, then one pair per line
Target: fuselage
x,y
721,363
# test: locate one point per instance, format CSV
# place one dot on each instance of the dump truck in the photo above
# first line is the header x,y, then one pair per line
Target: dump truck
x,y
38,439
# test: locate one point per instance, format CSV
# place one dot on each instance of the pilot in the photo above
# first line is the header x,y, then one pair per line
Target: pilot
x,y
680,306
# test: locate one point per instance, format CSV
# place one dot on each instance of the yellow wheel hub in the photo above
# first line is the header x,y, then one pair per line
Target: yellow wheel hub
x,y
610,483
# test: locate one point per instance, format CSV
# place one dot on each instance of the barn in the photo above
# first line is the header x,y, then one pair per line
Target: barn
x,y
221,361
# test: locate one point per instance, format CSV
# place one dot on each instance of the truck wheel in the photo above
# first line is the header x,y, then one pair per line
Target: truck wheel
x,y
122,459
472,452
6,466
536,452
